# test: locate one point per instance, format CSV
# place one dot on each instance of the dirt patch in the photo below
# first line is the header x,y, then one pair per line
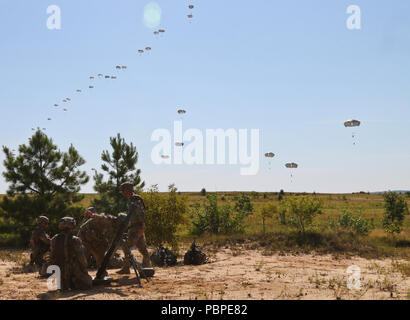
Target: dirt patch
x,y
233,274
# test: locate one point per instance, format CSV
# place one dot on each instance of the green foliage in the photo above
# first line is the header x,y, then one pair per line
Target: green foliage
x,y
164,214
41,169
120,167
267,211
213,219
354,223
19,214
300,211
244,205
395,210
43,181
255,195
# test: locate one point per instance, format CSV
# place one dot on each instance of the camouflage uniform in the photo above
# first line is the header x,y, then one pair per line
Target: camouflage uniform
x,y
136,207
97,234
67,252
39,245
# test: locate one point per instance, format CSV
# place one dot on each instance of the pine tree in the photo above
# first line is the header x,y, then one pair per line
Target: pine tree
x,y
119,166
42,181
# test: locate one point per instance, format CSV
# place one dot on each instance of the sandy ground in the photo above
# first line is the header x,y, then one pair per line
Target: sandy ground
x,y
238,274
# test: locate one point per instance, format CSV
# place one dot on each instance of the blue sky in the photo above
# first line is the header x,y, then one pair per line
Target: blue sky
x,y
289,68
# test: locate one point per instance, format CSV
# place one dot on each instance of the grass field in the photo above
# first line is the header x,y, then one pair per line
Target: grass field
x,y
279,237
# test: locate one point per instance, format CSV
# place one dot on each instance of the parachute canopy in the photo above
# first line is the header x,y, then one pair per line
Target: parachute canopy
x,y
91,87
269,155
352,123
179,144
181,111
164,156
191,6
291,165
78,90
190,16
148,48
117,67
56,105
100,75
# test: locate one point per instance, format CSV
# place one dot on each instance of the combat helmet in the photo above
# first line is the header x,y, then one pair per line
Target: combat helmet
x,y
66,223
127,186
42,219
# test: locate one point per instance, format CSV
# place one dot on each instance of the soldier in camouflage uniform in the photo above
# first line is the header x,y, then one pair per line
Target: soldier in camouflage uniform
x,y
67,252
136,235
40,245
97,233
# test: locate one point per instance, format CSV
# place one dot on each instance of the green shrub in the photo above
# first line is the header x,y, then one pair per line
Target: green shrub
x,y
213,219
164,214
300,211
244,205
395,210
267,211
354,223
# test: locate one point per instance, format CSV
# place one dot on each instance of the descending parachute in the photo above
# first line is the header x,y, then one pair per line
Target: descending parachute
x,y
64,100
181,111
291,166
91,87
148,49
123,67
165,156
56,105
48,119
68,99
113,77
118,67
140,51
78,90
269,156
352,124
100,75
161,30
91,78
107,77
156,33
179,144
191,6
65,109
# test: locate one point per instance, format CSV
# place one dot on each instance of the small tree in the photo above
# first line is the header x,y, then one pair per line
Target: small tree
x,y
267,211
244,205
203,192
300,211
43,181
120,166
395,209
164,214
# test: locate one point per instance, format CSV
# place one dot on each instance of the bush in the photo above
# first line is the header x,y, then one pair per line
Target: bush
x,y
244,205
164,214
300,211
354,223
267,211
214,219
395,209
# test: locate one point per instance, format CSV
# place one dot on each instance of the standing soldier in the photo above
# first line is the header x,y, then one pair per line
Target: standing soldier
x,y
97,233
136,235
39,245
67,252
